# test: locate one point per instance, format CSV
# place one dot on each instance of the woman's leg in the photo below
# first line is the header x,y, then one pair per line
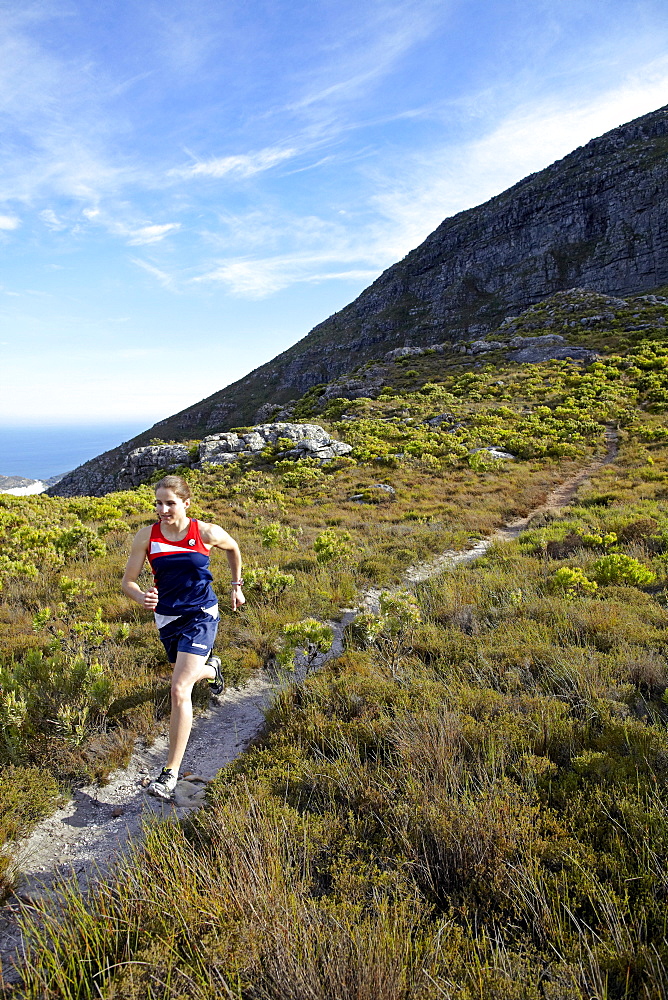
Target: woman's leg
x,y
187,670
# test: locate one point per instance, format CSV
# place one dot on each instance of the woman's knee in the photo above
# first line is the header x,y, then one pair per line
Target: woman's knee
x,y
181,691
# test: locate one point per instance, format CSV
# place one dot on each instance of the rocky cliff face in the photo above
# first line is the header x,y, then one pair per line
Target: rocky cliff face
x,y
596,219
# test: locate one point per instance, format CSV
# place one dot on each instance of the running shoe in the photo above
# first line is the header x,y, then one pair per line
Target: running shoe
x,y
163,786
217,684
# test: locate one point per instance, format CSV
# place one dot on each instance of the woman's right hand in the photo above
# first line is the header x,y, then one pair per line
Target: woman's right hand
x,y
150,599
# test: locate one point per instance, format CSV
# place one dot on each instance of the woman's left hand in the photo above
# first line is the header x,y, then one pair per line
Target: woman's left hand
x,y
237,597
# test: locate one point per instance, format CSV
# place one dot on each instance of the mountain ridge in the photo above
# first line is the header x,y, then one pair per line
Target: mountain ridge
x,y
597,218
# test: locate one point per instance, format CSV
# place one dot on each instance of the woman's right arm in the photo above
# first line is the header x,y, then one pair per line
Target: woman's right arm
x,y
147,599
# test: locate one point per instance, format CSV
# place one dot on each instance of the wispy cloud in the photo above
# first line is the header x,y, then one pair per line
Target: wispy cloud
x,y
241,165
9,222
134,234
51,220
55,118
434,185
258,278
367,51
146,235
161,276
268,228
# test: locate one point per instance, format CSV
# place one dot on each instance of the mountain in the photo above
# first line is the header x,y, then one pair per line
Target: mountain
x,y
597,219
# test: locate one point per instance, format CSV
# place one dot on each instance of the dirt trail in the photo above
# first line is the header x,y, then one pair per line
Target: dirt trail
x,y
89,833
559,497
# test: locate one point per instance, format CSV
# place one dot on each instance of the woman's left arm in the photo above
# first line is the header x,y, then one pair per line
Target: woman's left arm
x,y
214,536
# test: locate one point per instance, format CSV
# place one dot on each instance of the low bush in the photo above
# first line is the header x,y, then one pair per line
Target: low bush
x,y
572,580
620,568
268,581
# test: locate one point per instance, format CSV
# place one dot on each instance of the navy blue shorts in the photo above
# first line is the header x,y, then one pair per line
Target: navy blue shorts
x,y
194,632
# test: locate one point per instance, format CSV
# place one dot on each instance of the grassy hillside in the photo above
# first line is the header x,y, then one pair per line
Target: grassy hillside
x,y
470,802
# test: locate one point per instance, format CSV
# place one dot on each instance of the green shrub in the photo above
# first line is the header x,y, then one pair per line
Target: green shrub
x,y
275,534
482,461
310,635
572,580
61,694
18,568
377,569
596,540
620,568
330,545
75,588
390,631
300,475
80,542
77,636
270,581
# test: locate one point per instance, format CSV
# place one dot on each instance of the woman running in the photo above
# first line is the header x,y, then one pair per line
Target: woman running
x,y
184,604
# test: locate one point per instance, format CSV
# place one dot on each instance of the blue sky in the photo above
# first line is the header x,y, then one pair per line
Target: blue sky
x,y
186,188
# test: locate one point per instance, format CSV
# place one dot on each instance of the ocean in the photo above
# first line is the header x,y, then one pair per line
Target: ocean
x,y
41,452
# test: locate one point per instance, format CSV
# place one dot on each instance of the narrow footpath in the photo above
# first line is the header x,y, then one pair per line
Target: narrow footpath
x,y
90,833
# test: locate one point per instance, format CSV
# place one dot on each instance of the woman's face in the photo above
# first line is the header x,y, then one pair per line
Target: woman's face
x,y
169,507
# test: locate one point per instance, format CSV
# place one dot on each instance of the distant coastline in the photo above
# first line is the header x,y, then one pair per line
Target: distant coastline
x,y
38,453
19,486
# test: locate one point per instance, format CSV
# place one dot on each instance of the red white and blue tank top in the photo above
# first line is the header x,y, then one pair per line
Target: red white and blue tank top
x,y
181,573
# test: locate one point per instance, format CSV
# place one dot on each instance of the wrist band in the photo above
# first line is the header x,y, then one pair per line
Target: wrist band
x,y
236,583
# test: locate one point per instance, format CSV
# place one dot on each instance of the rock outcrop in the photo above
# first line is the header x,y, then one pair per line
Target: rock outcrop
x,y
294,441
298,441
531,350
141,463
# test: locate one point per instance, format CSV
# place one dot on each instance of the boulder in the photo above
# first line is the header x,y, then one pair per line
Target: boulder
x,y
403,352
254,442
536,352
324,454
441,418
215,445
310,440
482,346
223,457
545,340
293,432
339,448
494,452
141,463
